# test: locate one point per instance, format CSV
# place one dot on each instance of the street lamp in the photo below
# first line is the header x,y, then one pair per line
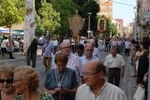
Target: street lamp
x,y
89,16
135,24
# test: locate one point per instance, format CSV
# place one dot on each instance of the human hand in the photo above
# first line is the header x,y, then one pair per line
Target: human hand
x,y
64,90
57,90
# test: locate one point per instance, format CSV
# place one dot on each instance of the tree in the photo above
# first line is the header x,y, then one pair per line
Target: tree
x,y
93,7
67,9
11,12
111,28
48,18
37,4
114,29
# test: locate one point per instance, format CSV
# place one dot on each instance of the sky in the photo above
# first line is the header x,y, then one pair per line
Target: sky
x,y
124,9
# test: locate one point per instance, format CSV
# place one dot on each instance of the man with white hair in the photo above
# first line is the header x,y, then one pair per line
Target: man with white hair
x,y
96,51
88,54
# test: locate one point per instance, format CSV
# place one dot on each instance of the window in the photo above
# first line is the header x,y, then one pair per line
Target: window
x,y
107,0
107,7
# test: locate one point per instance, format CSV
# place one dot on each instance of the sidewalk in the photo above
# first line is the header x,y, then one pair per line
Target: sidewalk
x,y
18,57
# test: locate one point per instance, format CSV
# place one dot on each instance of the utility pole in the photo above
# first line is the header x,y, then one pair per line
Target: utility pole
x,y
89,21
135,24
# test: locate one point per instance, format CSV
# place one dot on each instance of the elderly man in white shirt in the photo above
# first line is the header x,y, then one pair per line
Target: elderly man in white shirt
x,y
95,87
73,61
115,66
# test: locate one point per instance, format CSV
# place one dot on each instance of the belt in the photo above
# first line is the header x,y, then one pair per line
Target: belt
x,y
114,68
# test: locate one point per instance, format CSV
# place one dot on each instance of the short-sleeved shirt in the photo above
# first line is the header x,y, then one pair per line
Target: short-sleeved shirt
x,y
107,92
69,81
84,60
44,96
114,62
48,49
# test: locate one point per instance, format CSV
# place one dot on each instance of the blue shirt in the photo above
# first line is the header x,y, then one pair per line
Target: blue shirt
x,y
69,81
48,49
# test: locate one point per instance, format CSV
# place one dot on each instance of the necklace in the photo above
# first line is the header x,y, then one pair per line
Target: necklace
x,y
59,79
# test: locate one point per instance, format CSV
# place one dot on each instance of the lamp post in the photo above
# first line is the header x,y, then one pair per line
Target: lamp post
x,y
135,24
89,16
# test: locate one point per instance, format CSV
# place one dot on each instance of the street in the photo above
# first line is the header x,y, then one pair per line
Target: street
x,y
127,83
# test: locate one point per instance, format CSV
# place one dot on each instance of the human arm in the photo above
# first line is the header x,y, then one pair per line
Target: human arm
x,y
56,90
69,91
122,71
106,65
122,66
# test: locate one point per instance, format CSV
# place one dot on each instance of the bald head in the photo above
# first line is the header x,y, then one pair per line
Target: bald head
x,y
96,66
65,48
65,44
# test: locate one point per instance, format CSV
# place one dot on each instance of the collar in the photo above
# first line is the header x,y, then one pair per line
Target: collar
x,y
88,58
112,56
101,89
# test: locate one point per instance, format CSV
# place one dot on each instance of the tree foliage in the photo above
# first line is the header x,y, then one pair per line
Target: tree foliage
x,y
11,12
114,29
67,9
37,5
93,7
47,19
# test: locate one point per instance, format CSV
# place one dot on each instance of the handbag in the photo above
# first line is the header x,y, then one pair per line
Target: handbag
x,y
139,93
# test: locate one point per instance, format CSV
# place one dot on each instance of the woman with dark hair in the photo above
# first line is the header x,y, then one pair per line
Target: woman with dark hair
x,y
143,63
61,81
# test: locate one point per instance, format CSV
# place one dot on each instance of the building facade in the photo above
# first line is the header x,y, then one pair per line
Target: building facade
x,y
106,8
143,18
120,27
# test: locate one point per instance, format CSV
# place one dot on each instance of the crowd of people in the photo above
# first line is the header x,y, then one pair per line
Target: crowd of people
x,y
9,45
76,72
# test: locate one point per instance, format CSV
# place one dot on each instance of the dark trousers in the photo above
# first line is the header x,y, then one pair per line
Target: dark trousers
x,y
106,47
10,55
114,76
31,57
127,52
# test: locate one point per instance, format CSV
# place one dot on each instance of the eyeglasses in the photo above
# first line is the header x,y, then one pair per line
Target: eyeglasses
x,y
89,50
6,80
89,74
65,47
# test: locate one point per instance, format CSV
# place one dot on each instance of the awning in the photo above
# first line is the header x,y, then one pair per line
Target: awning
x,y
5,31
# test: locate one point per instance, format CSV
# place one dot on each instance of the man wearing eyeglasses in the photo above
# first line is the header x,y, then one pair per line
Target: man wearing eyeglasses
x,y
95,87
88,54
